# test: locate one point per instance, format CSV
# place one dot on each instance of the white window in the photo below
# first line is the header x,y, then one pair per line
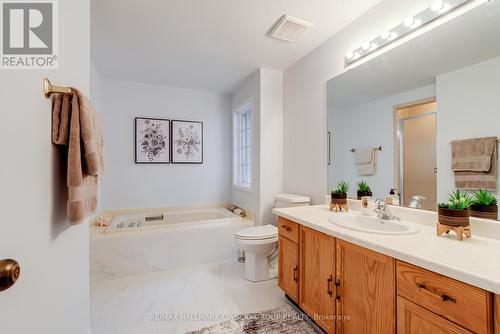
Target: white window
x,y
242,139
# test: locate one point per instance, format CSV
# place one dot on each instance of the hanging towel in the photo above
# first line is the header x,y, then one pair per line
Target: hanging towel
x,y
474,163
75,124
365,161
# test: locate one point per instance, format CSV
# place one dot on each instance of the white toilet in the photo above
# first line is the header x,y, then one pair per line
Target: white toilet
x,y
259,241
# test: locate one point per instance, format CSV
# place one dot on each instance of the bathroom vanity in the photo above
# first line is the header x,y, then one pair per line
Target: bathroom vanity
x,y
353,282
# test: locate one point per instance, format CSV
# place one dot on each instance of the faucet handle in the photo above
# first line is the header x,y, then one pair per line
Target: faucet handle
x,y
380,202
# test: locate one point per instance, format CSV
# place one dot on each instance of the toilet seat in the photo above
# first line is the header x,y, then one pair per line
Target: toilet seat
x,y
266,232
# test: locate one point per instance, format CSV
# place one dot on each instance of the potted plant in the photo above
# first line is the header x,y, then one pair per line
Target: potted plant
x,y
456,212
484,205
339,194
364,190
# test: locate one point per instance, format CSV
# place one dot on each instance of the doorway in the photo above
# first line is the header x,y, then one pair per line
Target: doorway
x,y
416,131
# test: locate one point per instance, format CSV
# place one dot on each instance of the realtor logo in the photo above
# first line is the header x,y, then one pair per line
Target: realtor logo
x,y
28,35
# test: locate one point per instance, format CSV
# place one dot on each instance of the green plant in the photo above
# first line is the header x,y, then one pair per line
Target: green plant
x,y
484,198
458,201
342,188
363,187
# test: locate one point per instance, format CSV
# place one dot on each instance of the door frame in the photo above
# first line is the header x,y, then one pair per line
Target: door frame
x,y
398,139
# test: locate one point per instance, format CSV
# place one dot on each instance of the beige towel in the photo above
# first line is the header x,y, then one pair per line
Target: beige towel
x,y
365,161
474,163
75,124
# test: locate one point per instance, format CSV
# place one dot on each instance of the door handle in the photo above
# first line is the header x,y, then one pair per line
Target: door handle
x,y
9,273
329,291
337,286
295,273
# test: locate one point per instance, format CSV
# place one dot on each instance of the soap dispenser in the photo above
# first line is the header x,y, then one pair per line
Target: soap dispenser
x,y
393,197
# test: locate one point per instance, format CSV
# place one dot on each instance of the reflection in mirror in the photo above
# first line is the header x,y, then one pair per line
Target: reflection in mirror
x,y
412,102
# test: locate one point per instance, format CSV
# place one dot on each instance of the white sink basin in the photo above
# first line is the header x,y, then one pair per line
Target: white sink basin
x,y
375,225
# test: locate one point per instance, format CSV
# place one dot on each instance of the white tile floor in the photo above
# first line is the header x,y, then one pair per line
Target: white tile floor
x,y
127,305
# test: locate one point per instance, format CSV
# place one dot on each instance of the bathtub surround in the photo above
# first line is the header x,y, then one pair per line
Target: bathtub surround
x,y
265,89
76,125
128,185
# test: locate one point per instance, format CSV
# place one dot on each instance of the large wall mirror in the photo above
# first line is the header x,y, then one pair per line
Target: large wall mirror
x,y
392,119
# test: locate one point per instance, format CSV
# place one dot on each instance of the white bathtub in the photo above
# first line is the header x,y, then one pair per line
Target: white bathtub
x,y
182,238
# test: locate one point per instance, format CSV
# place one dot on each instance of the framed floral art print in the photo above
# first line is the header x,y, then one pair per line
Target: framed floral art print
x,y
152,140
187,142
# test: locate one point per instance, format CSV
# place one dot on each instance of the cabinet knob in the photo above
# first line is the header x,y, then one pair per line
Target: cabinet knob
x,y
9,273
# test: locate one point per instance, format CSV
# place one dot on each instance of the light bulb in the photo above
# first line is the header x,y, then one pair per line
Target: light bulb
x,y
417,23
366,45
409,21
385,34
356,56
393,36
349,55
437,5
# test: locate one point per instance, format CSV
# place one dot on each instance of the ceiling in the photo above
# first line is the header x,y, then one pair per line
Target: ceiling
x,y
466,40
206,44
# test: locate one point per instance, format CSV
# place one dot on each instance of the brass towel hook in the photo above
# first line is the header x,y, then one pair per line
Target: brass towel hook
x,y
49,89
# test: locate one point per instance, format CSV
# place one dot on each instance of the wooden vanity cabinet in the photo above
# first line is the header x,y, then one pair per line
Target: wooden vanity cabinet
x,y
288,268
496,309
317,277
288,263
366,290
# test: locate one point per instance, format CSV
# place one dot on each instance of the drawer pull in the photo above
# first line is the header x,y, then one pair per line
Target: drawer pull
x,y
443,298
295,273
328,283
288,229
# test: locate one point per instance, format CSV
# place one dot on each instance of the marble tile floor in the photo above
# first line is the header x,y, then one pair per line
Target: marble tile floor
x,y
178,301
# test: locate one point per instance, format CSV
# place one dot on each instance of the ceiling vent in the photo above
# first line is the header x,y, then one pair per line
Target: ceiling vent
x,y
290,28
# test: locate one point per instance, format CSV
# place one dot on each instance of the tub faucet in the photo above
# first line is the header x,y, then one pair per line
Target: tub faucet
x,y
383,212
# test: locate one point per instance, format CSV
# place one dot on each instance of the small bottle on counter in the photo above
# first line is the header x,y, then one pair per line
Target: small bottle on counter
x,y
393,198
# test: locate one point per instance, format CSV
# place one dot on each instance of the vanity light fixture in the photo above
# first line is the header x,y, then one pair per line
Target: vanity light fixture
x,y
410,25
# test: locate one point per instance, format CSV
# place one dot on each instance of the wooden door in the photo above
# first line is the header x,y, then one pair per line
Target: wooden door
x,y
414,319
288,268
366,292
317,270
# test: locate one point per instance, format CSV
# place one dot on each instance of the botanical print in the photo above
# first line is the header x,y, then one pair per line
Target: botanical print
x,y
187,142
152,140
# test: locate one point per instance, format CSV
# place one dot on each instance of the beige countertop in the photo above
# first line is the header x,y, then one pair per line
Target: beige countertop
x,y
475,261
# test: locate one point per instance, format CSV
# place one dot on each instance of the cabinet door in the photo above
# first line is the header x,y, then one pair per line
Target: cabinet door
x,y
366,292
414,319
288,268
496,310
317,264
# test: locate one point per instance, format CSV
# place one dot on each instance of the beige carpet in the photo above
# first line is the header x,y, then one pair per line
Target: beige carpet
x,y
284,319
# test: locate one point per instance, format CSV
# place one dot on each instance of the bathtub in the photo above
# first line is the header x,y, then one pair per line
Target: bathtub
x,y
174,238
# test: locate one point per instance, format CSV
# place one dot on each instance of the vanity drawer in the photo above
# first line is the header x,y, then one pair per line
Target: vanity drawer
x,y
458,302
288,229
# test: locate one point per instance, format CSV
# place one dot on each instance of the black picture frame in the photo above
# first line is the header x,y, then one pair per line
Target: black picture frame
x,y
173,144
168,146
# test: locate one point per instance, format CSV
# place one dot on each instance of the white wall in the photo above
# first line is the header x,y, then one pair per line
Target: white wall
x,y
265,88
130,185
305,102
52,294
271,142
468,107
368,125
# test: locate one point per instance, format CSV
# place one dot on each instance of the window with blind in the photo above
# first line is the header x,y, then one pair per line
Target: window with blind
x,y
242,138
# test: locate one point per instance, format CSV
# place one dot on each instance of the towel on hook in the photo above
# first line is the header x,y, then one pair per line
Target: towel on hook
x,y
365,161
474,163
75,124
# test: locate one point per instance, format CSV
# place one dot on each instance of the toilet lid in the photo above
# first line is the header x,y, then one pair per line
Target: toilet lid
x,y
257,232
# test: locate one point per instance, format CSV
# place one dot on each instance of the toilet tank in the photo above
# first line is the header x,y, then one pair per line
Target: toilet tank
x,y
290,200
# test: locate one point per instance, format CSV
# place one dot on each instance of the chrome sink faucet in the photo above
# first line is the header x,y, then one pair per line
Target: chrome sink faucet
x,y
383,212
